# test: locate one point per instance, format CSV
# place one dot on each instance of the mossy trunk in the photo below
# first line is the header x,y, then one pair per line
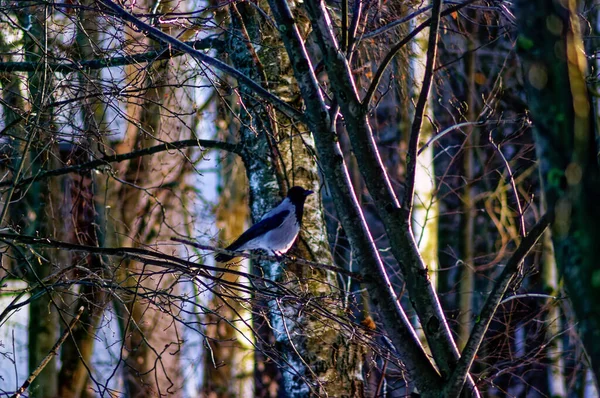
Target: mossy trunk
x,y
555,72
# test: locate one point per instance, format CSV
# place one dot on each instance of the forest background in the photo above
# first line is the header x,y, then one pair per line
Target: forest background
x,y
450,245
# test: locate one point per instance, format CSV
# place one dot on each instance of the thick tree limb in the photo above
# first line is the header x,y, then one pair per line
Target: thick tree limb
x,y
364,251
53,352
106,160
457,379
397,226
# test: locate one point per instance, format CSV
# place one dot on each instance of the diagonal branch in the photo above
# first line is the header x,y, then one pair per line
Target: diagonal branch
x,y
82,65
457,379
105,160
53,352
397,226
176,44
351,217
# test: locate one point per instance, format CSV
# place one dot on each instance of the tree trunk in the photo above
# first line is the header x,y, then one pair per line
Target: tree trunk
x,y
554,68
146,211
41,203
232,341
80,211
320,356
467,271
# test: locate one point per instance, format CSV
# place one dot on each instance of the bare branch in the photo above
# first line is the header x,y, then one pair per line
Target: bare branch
x,y
411,156
450,129
94,64
105,160
53,352
284,260
392,25
160,36
513,184
457,379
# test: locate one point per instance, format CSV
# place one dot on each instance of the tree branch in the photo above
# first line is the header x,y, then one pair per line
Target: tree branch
x,y
53,352
455,382
105,160
161,36
284,260
392,53
411,156
357,13
94,64
142,255
421,292
334,168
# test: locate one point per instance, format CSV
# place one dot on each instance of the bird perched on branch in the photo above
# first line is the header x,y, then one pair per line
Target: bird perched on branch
x,y
276,231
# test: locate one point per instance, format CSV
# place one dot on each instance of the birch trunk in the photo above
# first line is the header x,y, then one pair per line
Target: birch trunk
x,y
319,356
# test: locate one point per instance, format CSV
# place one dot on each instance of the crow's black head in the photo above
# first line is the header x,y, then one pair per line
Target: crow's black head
x,y
298,195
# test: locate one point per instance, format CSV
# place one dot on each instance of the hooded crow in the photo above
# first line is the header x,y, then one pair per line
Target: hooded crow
x,y
276,231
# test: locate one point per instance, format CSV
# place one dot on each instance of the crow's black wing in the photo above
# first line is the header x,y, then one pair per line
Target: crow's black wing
x,y
260,228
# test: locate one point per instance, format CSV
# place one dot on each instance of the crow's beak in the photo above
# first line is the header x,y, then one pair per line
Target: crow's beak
x,y
308,192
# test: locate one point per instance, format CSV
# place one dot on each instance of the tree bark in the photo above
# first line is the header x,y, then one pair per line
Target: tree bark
x,y
377,282
80,214
320,355
554,70
41,203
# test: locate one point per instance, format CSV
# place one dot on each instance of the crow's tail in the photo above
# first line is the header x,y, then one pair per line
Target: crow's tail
x,y
225,258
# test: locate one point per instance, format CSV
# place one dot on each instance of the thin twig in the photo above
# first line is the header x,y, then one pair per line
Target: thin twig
x,y
530,295
511,178
393,24
446,131
53,352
